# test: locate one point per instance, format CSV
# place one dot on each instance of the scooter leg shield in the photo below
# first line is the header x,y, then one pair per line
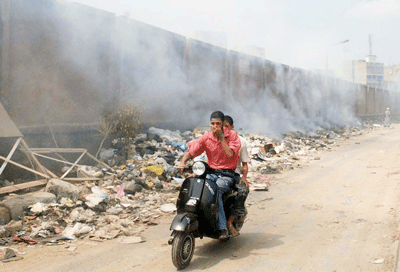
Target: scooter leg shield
x,y
186,222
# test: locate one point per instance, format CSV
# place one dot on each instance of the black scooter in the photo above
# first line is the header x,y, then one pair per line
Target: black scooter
x,y
197,208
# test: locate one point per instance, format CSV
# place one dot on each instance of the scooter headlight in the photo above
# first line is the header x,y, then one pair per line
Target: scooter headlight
x,y
199,168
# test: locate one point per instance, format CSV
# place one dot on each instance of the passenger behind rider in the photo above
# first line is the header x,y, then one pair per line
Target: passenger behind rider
x,y
222,149
242,168
244,156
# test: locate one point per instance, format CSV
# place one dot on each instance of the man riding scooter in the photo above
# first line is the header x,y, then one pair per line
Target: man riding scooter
x,y
222,149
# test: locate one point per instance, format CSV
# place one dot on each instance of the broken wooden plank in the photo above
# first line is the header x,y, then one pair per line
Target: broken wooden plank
x,y
24,167
60,156
54,159
10,154
51,174
25,185
60,150
82,179
100,162
30,155
76,162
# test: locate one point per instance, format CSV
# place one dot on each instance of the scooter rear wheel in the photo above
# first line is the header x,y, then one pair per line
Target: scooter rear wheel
x,y
239,220
182,249
237,224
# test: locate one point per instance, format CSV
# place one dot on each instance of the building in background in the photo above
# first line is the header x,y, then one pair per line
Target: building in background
x,y
392,77
368,71
372,73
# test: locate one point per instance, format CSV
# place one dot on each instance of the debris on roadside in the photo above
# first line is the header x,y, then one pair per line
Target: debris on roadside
x,y
131,240
9,255
143,187
378,261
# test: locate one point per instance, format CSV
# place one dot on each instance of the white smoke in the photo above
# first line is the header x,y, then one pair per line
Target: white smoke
x,y
180,81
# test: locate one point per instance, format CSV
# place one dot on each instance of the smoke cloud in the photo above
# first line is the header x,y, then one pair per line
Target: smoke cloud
x,y
91,56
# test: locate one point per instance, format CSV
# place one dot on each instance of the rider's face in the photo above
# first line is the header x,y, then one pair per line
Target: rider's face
x,y
227,126
215,124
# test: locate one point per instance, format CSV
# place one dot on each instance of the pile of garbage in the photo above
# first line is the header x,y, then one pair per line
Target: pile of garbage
x,y
139,190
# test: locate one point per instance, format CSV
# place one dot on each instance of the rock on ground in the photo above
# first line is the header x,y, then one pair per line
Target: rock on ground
x,y
132,188
17,204
62,188
5,215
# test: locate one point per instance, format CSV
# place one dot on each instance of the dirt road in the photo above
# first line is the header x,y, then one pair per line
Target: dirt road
x,y
339,213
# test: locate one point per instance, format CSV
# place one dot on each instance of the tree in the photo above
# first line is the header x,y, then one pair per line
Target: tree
x,y
106,127
126,118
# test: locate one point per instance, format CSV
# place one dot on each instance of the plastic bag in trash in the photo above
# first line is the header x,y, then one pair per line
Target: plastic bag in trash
x,y
120,190
96,197
158,169
179,145
77,230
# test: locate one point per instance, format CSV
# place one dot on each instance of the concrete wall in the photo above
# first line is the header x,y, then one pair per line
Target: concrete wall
x,y
152,65
62,62
247,76
207,73
59,69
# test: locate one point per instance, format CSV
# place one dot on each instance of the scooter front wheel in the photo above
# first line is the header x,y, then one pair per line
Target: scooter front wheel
x,y
182,249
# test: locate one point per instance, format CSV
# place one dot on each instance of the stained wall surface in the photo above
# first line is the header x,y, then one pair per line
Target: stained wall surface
x,y
62,62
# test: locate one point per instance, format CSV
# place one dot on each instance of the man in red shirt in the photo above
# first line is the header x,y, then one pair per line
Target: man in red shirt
x,y
222,149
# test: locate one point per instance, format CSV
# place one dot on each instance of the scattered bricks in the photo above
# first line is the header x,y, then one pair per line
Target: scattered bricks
x,y
24,240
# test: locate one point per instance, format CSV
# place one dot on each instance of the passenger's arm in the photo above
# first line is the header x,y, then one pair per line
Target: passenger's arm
x,y
245,169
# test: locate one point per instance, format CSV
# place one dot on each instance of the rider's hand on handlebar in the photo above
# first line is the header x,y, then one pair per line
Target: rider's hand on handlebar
x,y
185,175
181,168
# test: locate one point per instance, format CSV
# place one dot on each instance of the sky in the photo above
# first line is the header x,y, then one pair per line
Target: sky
x,y
303,34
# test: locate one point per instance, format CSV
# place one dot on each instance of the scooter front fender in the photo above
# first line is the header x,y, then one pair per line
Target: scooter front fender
x,y
186,222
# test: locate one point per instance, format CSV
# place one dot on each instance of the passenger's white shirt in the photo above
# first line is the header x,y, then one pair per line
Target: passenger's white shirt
x,y
244,155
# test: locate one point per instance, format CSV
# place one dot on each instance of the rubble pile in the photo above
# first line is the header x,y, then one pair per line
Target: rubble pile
x,y
272,156
139,190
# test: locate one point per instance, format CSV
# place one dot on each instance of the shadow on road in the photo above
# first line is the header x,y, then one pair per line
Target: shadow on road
x,y
214,251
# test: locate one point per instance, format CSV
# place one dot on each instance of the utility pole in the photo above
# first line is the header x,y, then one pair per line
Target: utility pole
x,y
326,74
370,44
